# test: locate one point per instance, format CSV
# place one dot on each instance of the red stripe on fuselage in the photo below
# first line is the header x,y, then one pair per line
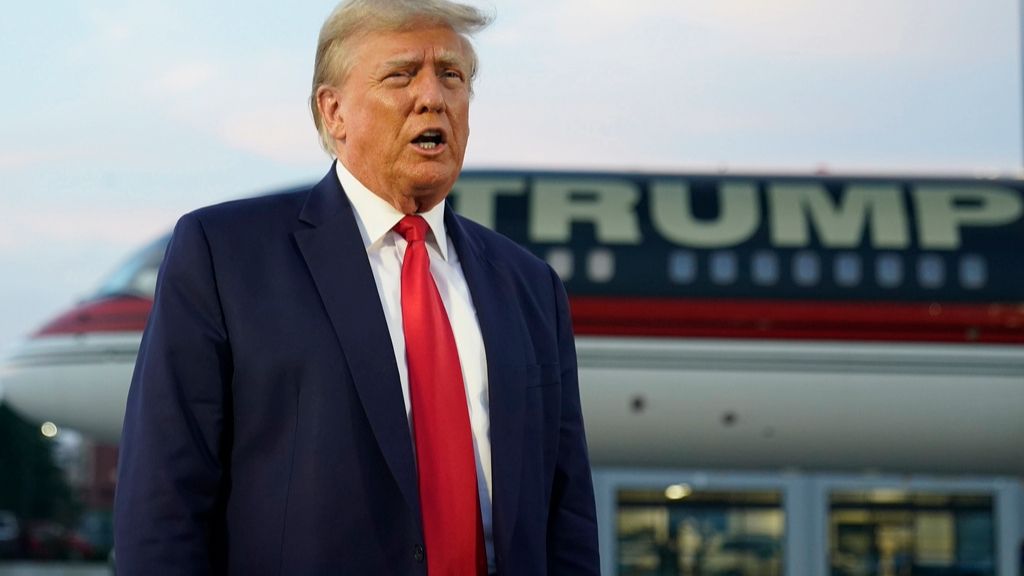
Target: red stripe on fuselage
x,y
115,314
659,317
775,319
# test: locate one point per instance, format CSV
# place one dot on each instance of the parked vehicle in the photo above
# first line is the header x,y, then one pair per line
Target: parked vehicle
x,y
93,537
10,535
46,540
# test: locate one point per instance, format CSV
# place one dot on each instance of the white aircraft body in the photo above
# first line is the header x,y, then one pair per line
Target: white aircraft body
x,y
723,322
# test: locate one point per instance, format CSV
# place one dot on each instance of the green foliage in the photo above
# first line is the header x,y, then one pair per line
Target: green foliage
x,y
31,484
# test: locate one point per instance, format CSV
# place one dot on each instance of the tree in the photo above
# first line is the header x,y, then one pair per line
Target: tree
x,y
31,484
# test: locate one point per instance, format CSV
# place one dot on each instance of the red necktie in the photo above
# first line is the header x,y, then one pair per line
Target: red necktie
x,y
449,503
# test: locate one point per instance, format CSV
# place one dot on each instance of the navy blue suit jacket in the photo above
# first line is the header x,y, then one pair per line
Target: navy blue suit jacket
x,y
266,433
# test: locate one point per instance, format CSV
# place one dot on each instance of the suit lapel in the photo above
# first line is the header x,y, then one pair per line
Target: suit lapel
x,y
336,257
505,336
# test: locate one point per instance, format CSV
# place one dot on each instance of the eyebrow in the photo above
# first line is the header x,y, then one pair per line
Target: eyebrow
x,y
447,58
450,58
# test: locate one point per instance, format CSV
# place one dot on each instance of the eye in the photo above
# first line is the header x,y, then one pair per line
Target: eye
x,y
398,78
453,77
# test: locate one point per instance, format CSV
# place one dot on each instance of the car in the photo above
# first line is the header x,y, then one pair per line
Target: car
x,y
46,540
93,537
10,535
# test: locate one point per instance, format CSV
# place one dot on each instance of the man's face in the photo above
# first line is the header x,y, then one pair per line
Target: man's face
x,y
403,115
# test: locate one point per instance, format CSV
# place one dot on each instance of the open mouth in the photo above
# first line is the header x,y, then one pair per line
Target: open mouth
x,y
429,139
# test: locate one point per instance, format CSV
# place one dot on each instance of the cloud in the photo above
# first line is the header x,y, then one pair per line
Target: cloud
x,y
219,99
31,225
280,132
10,160
186,78
805,30
790,82
42,153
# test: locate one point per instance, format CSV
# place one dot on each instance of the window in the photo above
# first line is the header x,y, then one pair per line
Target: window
x,y
806,269
724,268
846,269
682,267
973,272
600,265
896,532
675,530
931,271
561,261
889,271
764,268
137,277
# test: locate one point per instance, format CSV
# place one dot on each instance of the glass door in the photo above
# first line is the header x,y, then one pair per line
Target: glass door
x,y
679,531
887,532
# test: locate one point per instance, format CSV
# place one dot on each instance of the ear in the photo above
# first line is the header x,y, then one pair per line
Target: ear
x,y
328,101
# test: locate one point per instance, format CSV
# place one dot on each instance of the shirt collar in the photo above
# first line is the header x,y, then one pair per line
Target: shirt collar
x,y
376,217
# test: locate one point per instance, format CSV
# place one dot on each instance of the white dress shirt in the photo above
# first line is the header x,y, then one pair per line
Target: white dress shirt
x,y
385,249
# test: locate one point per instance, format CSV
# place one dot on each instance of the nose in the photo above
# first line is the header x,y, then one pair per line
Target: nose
x,y
430,94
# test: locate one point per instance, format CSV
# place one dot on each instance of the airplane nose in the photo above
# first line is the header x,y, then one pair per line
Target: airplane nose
x,y
77,368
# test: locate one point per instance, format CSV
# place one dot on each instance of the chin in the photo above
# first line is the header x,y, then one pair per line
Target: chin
x,y
433,182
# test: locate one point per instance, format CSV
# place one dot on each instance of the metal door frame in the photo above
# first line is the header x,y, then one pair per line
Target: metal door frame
x,y
805,504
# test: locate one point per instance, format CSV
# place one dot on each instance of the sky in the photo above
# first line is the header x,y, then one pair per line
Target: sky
x,y
116,117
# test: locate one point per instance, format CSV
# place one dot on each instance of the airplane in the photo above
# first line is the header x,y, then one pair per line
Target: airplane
x,y
722,321
850,346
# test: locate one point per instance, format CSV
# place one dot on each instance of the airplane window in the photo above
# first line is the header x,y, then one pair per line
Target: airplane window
x,y
764,268
560,259
847,269
600,265
724,268
682,267
806,269
145,281
137,277
973,272
889,270
931,271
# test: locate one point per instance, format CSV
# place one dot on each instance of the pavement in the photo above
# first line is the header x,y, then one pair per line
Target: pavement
x,y
53,569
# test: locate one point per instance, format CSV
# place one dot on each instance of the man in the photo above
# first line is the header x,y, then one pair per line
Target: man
x,y
352,379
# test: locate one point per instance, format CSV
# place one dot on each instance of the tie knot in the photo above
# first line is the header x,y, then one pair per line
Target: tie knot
x,y
412,228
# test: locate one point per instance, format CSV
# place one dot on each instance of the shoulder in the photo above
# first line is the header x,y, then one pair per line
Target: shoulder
x,y
501,249
524,276
255,213
240,229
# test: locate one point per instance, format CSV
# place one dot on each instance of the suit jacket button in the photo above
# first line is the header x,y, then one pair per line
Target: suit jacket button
x,y
417,553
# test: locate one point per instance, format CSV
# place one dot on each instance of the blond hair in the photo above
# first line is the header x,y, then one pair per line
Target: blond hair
x,y
353,18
